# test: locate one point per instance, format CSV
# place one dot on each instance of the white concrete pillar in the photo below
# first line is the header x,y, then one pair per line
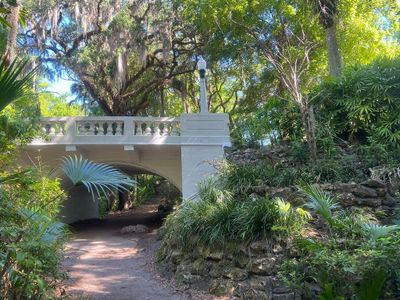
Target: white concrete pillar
x,y
197,164
203,139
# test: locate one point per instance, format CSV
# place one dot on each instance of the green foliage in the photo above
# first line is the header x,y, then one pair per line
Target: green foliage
x,y
144,190
53,106
217,219
353,258
94,176
13,82
320,201
363,104
276,120
31,239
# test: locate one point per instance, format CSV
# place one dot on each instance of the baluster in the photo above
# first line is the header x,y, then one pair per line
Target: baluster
x,y
174,130
88,128
157,130
107,128
52,129
147,131
62,128
45,128
119,128
79,128
139,130
165,131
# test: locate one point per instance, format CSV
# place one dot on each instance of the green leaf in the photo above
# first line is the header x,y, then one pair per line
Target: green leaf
x,y
94,176
13,83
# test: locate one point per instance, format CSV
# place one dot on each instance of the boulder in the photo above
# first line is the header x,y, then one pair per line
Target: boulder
x,y
346,199
264,266
236,274
372,202
139,228
363,191
372,183
389,200
287,296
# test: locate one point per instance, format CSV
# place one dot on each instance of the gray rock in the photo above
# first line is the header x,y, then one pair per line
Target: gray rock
x,y
134,229
259,246
389,200
346,199
288,296
176,256
236,274
264,266
363,191
281,289
215,255
374,183
372,202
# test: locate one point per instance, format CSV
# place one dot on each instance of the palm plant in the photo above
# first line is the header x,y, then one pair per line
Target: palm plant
x,y
375,231
320,201
94,176
13,83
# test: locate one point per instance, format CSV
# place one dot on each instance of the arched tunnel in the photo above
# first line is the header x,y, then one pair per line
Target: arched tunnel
x,y
124,207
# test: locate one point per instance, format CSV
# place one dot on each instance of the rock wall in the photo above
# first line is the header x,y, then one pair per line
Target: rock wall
x,y
242,272
374,196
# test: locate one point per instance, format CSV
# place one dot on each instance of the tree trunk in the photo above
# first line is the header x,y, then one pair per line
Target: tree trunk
x,y
308,120
123,200
12,18
334,57
184,98
162,113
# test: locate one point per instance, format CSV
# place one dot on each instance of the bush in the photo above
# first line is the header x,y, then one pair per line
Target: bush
x,y
351,257
31,240
217,218
364,103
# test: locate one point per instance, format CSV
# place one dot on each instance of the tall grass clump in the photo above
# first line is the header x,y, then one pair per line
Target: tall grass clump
x,y
217,218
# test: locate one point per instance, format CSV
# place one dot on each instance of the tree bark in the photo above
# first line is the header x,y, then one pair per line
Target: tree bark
x,y
308,120
334,57
123,200
12,19
162,113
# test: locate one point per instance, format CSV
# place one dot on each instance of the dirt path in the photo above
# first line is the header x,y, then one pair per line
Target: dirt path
x,y
103,264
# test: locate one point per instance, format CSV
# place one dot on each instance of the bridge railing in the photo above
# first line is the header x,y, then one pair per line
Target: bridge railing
x,y
111,126
187,129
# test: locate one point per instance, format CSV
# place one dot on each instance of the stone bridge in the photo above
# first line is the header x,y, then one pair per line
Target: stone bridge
x,y
178,149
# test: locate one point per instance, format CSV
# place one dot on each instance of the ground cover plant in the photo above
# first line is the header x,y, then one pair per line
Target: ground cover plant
x,y
352,257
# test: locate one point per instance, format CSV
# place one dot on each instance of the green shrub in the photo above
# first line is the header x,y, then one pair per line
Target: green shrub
x,y
31,240
217,218
353,257
364,103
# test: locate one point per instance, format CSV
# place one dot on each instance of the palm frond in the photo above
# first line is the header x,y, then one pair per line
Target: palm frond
x,y
375,231
3,19
318,200
12,83
94,176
